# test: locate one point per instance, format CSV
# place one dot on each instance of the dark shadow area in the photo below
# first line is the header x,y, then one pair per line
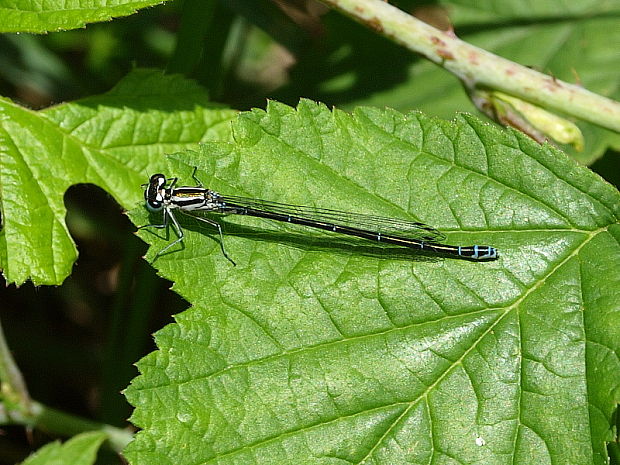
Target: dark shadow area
x,y
344,63
76,343
608,167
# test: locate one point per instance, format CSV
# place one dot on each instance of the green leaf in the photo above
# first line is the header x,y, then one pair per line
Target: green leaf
x,y
25,16
573,48
79,450
110,140
475,12
312,350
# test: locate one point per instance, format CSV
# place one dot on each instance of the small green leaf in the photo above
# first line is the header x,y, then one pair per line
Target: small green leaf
x,y
108,140
25,16
79,450
311,350
538,119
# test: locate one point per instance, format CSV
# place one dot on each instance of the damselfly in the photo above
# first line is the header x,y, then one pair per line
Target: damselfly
x,y
161,194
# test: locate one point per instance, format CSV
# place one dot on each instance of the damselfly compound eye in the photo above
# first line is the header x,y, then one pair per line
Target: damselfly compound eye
x,y
154,206
158,180
153,195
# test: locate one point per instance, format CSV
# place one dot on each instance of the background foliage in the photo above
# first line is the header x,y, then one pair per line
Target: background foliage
x,y
531,340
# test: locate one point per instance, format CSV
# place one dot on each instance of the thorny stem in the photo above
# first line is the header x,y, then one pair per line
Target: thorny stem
x,y
479,69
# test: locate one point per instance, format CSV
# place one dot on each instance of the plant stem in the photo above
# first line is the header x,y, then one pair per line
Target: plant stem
x,y
13,389
478,68
54,421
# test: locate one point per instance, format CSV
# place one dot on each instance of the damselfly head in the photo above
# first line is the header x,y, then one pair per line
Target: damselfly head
x,y
153,195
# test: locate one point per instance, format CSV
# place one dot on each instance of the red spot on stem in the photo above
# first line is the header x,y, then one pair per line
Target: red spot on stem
x,y
437,41
445,54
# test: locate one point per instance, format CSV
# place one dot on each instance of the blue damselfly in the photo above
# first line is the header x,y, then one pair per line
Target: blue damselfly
x,y
162,194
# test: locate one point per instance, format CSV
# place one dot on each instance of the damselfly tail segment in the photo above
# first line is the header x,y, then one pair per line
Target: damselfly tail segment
x,y
161,194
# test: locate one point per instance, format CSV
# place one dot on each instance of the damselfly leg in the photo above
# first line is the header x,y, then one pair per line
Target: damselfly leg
x,y
168,216
219,230
199,184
